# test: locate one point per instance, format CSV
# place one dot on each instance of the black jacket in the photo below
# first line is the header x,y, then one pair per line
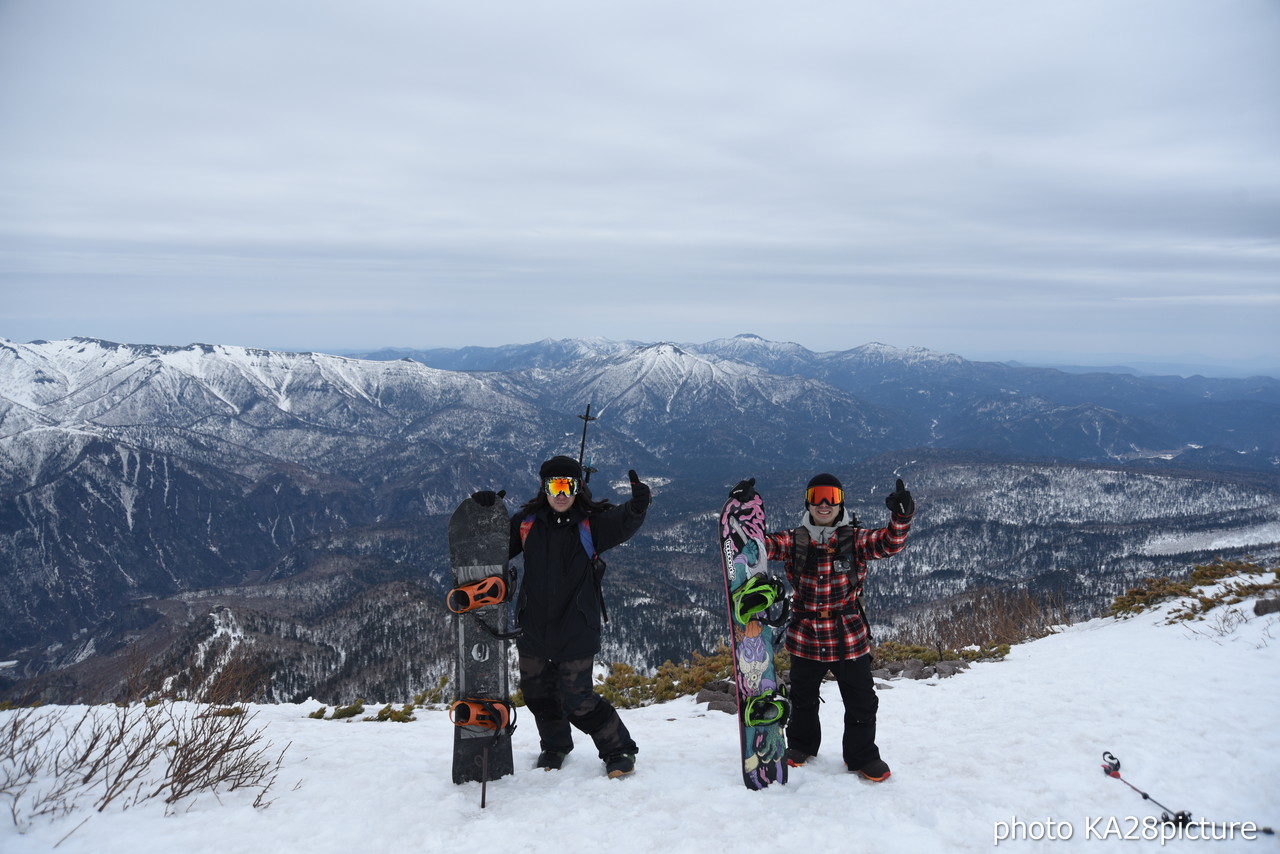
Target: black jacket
x,y
559,608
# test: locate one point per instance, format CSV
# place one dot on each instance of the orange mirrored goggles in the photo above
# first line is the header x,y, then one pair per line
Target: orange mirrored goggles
x,y
832,495
561,485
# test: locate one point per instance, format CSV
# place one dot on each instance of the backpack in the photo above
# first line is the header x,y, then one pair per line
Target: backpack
x,y
598,565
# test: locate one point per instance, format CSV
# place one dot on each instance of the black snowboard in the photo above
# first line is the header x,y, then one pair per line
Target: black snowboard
x,y
479,540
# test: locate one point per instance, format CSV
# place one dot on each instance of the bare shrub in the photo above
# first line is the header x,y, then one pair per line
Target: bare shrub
x,y
52,764
24,753
123,746
214,752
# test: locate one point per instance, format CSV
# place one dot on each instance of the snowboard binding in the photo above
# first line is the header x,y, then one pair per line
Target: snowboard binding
x,y
768,709
496,715
763,598
492,590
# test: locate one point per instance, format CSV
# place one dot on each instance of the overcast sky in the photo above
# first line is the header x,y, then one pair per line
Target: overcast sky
x,y
994,178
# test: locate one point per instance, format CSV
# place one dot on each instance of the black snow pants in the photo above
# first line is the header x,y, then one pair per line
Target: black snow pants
x,y
560,693
857,690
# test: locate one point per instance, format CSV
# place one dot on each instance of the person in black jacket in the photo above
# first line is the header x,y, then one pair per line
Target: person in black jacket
x,y
561,609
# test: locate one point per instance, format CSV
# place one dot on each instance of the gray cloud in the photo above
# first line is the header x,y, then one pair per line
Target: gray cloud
x,y
1076,177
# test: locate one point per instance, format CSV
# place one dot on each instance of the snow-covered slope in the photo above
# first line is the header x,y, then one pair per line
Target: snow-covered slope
x,y
1188,708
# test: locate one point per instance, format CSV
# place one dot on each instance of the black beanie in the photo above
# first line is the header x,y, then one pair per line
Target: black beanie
x,y
824,480
560,467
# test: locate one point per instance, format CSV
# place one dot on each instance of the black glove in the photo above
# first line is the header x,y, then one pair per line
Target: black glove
x,y
744,490
900,502
641,495
487,497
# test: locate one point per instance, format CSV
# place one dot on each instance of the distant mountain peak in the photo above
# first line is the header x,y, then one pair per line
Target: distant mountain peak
x,y
916,355
756,340
662,348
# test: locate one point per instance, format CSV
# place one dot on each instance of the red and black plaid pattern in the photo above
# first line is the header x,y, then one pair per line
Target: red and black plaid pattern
x,y
819,588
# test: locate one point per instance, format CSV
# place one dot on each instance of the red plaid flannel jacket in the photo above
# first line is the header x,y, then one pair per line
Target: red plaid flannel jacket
x,y
830,627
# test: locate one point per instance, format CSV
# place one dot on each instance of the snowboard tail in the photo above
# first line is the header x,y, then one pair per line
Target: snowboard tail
x,y
757,613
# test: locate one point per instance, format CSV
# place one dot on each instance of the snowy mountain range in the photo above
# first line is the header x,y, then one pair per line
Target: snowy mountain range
x,y
152,497
928,399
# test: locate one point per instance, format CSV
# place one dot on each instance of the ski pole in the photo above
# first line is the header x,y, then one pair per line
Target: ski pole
x,y
587,418
1111,768
484,776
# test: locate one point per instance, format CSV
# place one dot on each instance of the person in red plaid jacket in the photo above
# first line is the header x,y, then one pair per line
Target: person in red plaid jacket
x,y
826,563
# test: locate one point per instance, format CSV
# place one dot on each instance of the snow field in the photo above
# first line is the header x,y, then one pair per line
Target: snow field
x,y
1189,709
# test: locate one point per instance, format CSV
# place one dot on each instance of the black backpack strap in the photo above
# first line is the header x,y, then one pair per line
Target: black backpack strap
x,y
800,541
845,536
598,566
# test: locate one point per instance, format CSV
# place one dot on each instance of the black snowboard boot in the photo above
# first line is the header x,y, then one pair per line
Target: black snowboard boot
x,y
620,764
796,758
876,771
551,760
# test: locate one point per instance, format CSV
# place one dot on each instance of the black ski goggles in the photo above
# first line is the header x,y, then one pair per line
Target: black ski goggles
x,y
554,486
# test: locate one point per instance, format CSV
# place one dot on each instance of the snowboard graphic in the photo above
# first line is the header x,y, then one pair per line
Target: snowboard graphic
x,y
757,613
482,712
